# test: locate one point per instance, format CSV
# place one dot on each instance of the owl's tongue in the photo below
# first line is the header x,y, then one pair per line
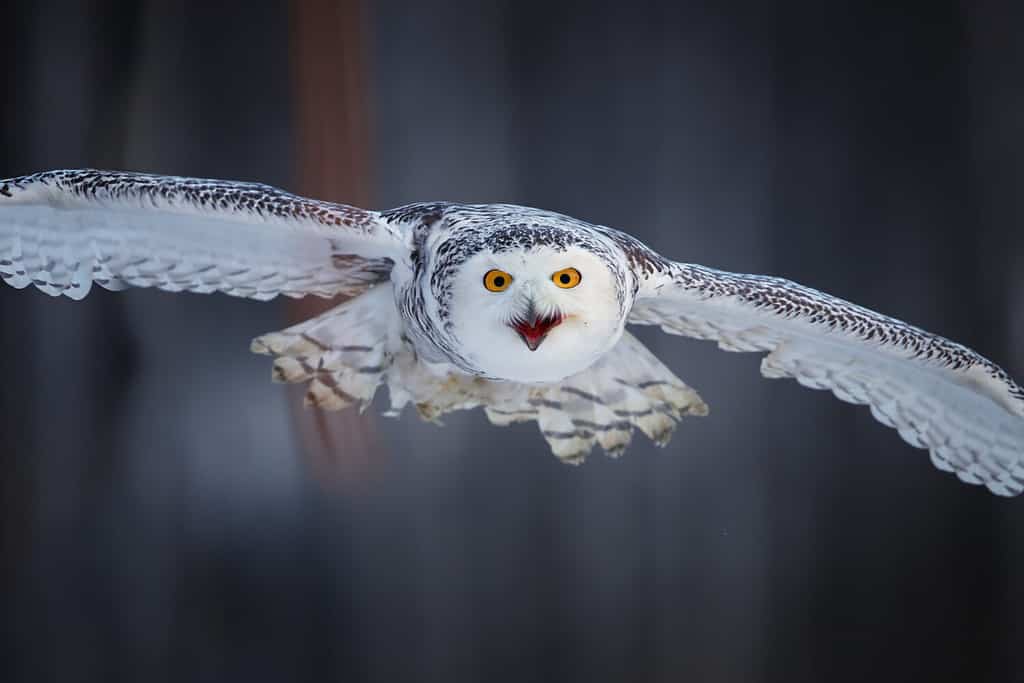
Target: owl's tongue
x,y
533,332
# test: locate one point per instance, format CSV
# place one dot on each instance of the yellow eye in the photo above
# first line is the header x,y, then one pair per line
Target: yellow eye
x,y
567,278
497,280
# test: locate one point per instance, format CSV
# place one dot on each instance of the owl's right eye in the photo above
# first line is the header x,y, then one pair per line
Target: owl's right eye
x,y
497,280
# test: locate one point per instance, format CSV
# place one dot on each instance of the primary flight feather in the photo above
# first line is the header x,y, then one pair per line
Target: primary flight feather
x,y
517,310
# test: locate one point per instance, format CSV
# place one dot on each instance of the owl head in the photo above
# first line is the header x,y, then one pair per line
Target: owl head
x,y
538,303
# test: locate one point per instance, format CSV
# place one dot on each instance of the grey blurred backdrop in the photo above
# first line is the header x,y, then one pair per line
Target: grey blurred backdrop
x,y
169,514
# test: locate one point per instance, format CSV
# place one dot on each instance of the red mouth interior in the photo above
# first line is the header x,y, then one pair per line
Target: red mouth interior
x,y
534,333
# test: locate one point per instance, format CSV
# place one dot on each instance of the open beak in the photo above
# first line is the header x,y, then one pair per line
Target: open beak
x,y
533,328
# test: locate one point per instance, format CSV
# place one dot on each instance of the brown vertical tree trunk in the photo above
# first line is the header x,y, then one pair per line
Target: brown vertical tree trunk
x,y
332,160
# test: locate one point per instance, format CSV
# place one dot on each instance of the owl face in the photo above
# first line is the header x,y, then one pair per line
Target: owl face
x,y
536,315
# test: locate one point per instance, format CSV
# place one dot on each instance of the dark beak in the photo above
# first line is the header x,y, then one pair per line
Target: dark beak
x,y
533,329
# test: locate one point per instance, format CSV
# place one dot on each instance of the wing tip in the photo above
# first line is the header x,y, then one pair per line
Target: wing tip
x,y
35,188
13,190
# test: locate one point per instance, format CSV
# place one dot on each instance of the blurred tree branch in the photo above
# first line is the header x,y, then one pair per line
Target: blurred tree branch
x,y
331,125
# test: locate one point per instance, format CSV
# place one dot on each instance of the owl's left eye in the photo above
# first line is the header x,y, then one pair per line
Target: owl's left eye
x,y
567,278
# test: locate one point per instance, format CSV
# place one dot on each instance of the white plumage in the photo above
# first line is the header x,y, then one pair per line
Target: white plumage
x,y
516,310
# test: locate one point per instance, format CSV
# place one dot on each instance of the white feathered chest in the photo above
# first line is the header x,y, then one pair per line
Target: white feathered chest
x,y
517,310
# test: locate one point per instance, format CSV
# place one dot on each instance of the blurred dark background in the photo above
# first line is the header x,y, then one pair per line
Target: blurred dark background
x,y
169,514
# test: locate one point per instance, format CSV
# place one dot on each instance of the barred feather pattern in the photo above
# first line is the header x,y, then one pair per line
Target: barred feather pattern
x,y
627,389
347,353
343,353
938,395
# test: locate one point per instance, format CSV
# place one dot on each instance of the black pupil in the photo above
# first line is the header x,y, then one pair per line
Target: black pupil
x,y
499,281
564,277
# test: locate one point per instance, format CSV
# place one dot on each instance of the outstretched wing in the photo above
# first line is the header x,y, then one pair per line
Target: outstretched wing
x,y
940,395
63,230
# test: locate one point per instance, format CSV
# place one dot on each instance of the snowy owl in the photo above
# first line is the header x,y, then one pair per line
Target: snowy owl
x,y
518,310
